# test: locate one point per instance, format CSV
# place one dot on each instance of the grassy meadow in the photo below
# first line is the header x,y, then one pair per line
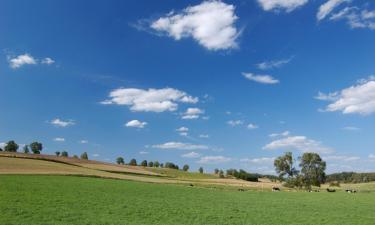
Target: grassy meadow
x,y
51,199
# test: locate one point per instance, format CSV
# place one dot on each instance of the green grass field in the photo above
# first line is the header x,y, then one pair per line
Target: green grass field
x,y
38,199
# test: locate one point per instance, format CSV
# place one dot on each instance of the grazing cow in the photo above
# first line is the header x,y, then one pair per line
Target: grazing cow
x,y
191,185
240,189
275,189
331,190
351,191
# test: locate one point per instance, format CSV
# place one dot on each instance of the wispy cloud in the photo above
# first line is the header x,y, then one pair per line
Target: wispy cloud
x,y
191,155
192,113
181,146
267,65
62,123
59,139
16,62
214,159
263,79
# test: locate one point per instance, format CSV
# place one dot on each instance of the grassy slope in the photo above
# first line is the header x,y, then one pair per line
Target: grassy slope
x,y
31,199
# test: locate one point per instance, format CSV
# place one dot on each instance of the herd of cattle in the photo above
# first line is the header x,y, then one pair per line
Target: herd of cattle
x,y
328,190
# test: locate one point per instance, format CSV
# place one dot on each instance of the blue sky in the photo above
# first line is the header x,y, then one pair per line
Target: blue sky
x,y
227,84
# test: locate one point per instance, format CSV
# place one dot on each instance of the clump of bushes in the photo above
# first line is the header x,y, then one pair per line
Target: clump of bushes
x,y
243,175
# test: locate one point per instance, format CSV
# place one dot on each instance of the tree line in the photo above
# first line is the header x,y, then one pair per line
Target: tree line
x,y
36,148
351,177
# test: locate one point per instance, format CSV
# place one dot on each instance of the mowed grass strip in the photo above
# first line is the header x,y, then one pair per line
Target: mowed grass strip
x,y
37,199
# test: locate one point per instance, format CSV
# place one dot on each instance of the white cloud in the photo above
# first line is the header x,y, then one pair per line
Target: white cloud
x,y
277,5
192,113
358,99
341,158
300,143
204,136
2,145
47,61
234,123
213,159
21,60
143,152
136,124
151,100
371,156
62,123
252,126
59,139
185,134
180,146
326,8
83,141
351,128
182,129
191,155
356,17
272,64
263,79
326,97
263,160
95,155
211,24
285,133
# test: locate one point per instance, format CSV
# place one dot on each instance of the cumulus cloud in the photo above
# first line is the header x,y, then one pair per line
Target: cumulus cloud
x,y
285,133
191,155
281,5
272,64
180,146
234,123
192,113
2,145
300,143
143,152
83,141
21,60
27,59
62,123
371,156
263,79
252,126
357,99
211,24
213,159
59,139
136,124
151,100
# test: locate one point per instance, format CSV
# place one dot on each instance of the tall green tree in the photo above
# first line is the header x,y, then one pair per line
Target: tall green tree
x,y
144,163
312,169
64,154
185,167
36,147
151,164
284,166
200,169
133,162
120,161
156,164
26,149
84,156
57,153
11,146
